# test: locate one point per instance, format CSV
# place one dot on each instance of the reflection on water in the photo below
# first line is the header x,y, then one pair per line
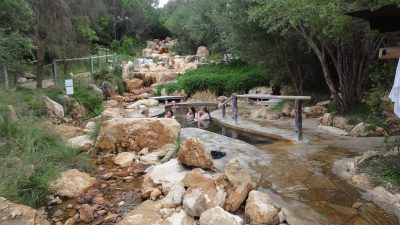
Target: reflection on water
x,y
213,126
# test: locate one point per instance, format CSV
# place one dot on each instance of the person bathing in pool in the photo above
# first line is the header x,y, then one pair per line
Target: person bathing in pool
x,y
203,114
170,114
191,113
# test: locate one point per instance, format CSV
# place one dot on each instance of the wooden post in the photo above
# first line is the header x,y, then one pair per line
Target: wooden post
x,y
91,65
234,108
298,120
115,59
5,77
224,111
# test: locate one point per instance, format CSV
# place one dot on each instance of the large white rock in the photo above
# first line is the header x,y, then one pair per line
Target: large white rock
x,y
72,183
195,202
174,196
145,102
82,142
147,213
334,130
218,216
180,218
367,130
124,159
15,214
167,175
54,110
260,210
240,184
134,134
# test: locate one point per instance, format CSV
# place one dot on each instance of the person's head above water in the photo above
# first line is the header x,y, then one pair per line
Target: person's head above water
x,y
173,104
192,110
169,114
205,109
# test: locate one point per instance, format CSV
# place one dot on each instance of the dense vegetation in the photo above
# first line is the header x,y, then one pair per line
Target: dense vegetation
x,y
220,79
31,155
297,40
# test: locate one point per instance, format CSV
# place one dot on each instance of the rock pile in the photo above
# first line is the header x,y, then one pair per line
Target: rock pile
x,y
340,126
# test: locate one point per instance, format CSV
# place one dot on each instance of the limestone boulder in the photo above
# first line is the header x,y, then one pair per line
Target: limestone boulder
x,y
111,113
147,213
174,196
179,218
326,119
287,108
22,80
272,116
133,84
197,179
202,52
218,216
12,214
72,183
334,130
134,134
239,185
86,213
367,130
194,153
126,69
146,102
151,158
195,202
83,142
147,52
78,111
90,127
124,159
28,76
316,111
165,175
362,180
342,123
54,110
260,210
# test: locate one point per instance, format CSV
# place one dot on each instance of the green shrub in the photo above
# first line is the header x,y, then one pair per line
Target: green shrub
x,y
91,100
113,76
221,79
96,131
31,157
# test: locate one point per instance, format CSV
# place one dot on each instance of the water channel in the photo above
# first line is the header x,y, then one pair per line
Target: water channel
x,y
300,179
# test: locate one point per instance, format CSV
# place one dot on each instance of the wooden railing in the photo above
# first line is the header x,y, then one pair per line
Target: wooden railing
x,y
298,111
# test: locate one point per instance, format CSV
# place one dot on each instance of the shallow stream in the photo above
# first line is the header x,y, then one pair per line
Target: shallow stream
x,y
300,179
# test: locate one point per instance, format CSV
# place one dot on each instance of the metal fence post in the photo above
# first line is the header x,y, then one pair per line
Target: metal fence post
x,y
115,59
5,78
91,65
54,70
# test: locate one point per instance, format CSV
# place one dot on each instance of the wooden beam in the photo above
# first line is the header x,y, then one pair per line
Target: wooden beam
x,y
389,53
260,96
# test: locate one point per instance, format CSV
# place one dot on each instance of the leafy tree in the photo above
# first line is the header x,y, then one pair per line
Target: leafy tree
x,y
333,37
15,18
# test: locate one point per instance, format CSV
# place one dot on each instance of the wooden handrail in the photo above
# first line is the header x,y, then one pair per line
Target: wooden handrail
x,y
298,111
265,96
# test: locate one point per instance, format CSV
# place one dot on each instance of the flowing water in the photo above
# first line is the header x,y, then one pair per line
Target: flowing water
x,y
300,179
